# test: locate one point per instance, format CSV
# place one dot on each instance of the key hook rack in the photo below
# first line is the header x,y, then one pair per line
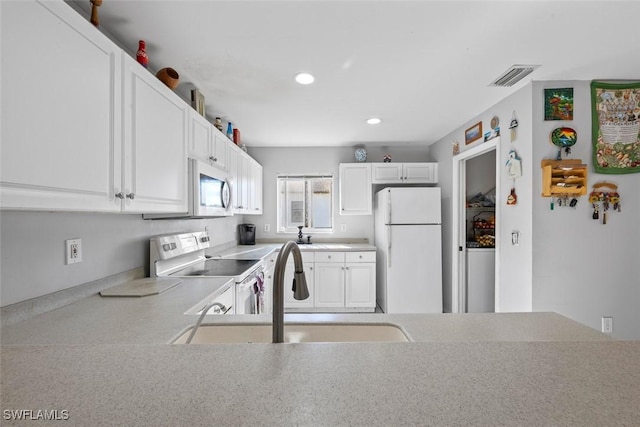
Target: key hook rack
x,y
607,199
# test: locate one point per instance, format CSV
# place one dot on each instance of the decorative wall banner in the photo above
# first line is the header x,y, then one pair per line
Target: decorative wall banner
x,y
616,127
558,104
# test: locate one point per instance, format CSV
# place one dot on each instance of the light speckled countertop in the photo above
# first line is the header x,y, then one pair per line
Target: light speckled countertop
x,y
107,362
260,250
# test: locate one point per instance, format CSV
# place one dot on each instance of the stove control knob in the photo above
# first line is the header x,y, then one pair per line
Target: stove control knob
x,y
166,247
173,245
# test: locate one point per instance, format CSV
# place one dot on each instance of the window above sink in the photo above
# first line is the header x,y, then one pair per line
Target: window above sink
x,y
307,201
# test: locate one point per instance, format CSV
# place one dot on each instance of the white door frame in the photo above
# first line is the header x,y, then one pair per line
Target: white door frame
x,y
458,228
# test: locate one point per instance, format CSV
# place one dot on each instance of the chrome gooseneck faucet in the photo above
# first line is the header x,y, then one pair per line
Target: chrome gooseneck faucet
x,y
300,289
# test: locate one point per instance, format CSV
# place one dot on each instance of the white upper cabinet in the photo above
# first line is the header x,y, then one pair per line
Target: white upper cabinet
x,y
404,173
242,183
206,143
355,189
60,110
220,144
155,143
255,188
245,176
87,128
200,136
233,172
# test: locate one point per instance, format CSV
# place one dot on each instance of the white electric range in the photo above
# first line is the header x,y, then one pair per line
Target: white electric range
x,y
183,255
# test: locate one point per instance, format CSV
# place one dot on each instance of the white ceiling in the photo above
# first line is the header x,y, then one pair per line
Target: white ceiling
x,y
423,67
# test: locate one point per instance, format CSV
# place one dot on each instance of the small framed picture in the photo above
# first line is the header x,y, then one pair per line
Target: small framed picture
x,y
473,133
558,104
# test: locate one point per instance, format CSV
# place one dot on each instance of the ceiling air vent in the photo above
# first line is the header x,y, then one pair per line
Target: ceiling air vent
x,y
513,75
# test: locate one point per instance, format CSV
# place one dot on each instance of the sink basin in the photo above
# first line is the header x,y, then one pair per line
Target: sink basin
x,y
296,333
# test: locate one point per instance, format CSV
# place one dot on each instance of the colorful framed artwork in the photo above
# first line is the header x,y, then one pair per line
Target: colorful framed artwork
x,y
473,133
558,104
615,122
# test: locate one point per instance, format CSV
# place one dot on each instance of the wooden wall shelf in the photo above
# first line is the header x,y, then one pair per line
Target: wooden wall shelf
x,y
564,178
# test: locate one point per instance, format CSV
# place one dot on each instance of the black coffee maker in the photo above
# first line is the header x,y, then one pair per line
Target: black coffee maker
x,y
247,234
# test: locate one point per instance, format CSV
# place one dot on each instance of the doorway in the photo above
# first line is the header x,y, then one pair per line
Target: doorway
x,y
472,245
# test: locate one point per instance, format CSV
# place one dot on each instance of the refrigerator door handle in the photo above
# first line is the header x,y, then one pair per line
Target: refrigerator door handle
x,y
389,208
388,246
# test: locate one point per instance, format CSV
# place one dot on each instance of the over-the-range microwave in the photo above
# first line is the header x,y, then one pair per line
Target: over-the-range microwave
x,y
209,193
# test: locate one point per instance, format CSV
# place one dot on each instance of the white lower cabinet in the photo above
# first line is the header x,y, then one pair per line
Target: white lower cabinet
x,y
269,269
359,291
342,281
308,266
330,289
289,301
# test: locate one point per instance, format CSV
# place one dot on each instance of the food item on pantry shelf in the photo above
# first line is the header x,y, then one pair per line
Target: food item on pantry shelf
x,y
486,241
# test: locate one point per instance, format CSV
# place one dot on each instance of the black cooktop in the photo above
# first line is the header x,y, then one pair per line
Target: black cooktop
x,y
218,267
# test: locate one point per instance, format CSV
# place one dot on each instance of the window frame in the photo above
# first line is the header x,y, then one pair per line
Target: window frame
x,y
281,227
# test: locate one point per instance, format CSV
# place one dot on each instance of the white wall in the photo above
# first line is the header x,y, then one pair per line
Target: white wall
x,y
514,293
33,248
583,269
276,160
566,262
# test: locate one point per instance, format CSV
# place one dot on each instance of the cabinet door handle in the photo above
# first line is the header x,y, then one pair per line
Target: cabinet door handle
x,y
213,159
131,196
119,196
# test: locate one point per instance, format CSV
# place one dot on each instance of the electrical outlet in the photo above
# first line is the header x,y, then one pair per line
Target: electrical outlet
x,y
73,250
343,227
267,228
607,324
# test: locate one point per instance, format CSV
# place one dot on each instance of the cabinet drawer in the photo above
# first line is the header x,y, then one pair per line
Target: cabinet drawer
x,y
369,256
329,256
306,257
270,260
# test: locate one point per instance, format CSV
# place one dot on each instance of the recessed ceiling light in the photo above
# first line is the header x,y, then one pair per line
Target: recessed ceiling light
x,y
374,121
304,78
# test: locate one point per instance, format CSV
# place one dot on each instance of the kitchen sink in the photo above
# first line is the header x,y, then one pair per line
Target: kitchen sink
x,y
296,333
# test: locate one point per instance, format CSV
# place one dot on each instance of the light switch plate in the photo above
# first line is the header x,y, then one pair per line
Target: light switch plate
x,y
515,238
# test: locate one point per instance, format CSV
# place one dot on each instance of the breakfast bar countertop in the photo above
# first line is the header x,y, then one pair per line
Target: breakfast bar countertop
x,y
109,361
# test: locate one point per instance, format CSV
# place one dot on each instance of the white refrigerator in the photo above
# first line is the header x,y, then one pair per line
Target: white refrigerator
x,y
408,238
